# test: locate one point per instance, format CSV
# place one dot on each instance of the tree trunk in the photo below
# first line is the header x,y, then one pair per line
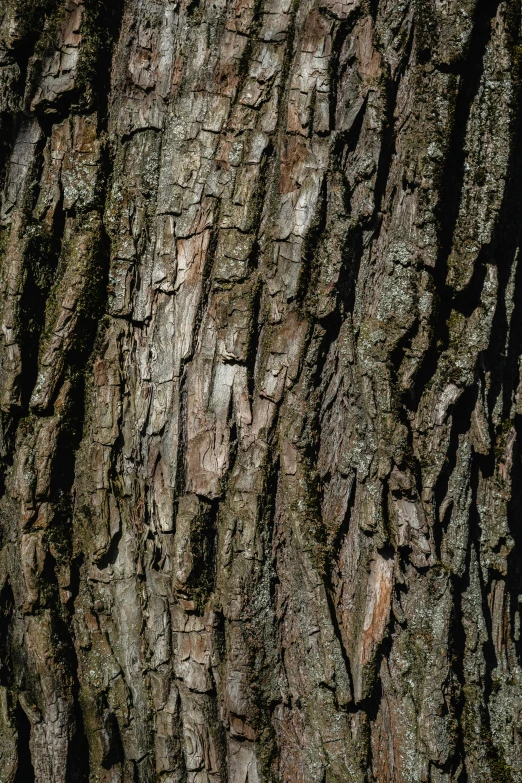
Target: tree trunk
x,y
260,391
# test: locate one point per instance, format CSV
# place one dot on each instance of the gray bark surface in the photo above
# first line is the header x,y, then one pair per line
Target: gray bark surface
x,y
260,391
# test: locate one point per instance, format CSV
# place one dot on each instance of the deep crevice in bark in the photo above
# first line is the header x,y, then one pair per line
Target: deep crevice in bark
x,y
25,769
279,687
450,188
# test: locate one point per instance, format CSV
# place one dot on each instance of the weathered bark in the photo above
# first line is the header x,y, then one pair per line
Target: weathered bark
x,y
260,392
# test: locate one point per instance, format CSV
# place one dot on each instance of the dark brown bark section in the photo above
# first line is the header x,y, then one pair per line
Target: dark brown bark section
x,y
260,310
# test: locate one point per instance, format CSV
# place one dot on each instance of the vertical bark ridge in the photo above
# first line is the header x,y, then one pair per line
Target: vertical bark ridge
x,y
260,304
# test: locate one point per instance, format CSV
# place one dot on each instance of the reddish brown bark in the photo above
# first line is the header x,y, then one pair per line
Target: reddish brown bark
x,y
260,346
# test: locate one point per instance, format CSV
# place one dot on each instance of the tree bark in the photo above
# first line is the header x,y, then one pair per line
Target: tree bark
x,y
260,391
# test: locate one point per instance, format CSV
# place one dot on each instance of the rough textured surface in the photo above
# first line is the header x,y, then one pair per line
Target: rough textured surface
x,y
260,391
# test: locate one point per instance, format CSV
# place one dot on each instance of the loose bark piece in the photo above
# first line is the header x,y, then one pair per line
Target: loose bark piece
x,y
260,391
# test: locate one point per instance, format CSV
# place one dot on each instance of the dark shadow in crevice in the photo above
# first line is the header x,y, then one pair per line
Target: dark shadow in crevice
x,y
8,129
78,766
451,185
6,613
457,647
41,257
25,769
503,360
514,560
461,421
388,143
115,753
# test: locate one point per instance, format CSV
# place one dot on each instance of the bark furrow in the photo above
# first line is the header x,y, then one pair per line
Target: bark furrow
x,y
260,391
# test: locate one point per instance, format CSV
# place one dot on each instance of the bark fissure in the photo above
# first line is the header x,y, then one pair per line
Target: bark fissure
x,y
260,367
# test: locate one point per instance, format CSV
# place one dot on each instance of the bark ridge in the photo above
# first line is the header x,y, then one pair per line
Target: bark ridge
x,y
260,396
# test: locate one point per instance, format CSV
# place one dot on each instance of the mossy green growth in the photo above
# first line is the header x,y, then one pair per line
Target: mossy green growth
x,y
98,33
201,581
83,255
478,739
59,531
42,20
501,439
92,300
4,239
28,18
500,771
246,57
40,256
